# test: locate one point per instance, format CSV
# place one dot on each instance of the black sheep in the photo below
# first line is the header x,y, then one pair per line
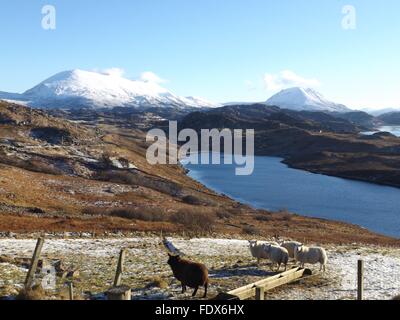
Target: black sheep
x,y
191,274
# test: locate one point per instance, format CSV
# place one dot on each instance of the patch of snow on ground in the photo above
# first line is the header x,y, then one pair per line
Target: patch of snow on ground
x,y
229,261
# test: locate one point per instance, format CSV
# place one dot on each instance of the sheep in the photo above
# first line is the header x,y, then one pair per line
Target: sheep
x,y
257,250
277,255
290,246
311,255
189,273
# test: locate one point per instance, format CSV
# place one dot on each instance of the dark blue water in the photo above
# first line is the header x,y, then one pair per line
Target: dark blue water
x,y
274,186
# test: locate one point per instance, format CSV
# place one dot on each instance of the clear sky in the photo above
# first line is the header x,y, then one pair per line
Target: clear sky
x,y
236,50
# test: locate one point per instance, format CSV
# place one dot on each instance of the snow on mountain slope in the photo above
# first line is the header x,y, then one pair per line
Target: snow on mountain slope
x,y
78,88
304,99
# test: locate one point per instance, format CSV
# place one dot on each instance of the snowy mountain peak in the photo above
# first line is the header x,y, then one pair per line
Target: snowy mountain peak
x,y
78,88
304,99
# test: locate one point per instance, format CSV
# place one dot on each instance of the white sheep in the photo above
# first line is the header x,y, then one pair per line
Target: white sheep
x,y
277,255
311,255
290,246
257,250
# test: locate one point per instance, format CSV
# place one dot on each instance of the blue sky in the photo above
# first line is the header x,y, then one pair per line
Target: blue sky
x,y
236,50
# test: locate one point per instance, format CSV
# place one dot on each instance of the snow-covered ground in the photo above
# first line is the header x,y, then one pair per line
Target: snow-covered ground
x,y
229,262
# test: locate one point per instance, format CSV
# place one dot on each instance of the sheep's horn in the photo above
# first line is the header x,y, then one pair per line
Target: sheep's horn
x,y
170,247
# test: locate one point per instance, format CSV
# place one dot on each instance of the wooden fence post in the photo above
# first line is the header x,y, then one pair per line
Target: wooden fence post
x,y
360,280
71,290
119,293
120,268
34,263
260,293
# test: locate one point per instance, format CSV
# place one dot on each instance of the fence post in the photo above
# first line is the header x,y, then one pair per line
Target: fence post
x,y
120,268
119,293
71,290
360,280
260,294
34,263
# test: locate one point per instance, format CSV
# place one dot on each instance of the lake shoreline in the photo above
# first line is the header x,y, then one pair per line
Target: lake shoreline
x,y
395,130
328,207
340,175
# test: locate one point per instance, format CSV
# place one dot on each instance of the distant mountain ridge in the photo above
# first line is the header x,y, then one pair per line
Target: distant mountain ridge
x,y
391,118
87,89
262,117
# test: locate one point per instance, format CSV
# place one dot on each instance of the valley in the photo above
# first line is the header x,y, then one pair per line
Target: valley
x,y
95,178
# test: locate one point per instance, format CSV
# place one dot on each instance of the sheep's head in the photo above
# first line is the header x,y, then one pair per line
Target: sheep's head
x,y
253,243
267,247
173,259
299,248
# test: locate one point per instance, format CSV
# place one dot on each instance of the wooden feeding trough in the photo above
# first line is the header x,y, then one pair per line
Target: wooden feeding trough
x,y
258,289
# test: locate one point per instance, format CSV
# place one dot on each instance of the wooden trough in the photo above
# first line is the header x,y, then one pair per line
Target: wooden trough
x,y
257,289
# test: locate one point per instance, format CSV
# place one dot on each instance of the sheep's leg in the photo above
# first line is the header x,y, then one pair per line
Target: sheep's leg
x,y
183,288
279,266
258,261
272,266
195,291
205,290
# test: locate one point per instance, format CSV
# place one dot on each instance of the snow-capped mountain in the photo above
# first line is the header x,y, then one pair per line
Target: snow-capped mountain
x,y
304,99
79,88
